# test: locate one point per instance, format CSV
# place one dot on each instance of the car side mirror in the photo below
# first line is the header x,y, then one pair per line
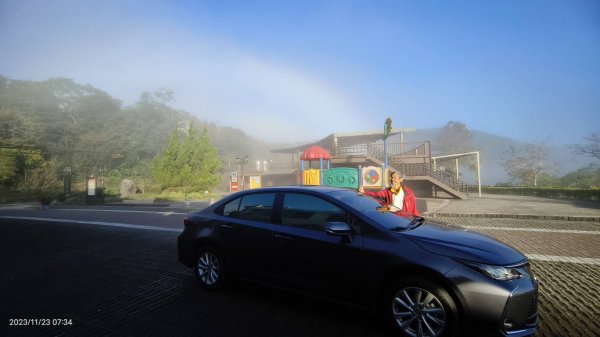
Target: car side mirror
x,y
338,229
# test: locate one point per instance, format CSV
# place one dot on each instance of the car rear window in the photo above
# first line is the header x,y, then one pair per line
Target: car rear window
x,y
256,207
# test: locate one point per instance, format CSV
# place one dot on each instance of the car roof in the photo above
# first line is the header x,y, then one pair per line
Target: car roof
x,y
315,188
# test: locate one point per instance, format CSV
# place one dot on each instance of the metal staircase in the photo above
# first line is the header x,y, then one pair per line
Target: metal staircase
x,y
443,180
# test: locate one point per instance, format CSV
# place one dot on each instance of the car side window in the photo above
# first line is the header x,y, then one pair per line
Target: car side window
x,y
310,212
256,207
231,209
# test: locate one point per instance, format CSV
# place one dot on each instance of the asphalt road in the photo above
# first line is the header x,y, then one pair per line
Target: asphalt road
x,y
114,271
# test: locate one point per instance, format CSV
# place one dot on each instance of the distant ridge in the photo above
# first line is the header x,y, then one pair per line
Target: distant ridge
x,y
492,148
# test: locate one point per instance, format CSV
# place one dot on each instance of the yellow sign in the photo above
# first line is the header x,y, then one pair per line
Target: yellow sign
x,y
255,182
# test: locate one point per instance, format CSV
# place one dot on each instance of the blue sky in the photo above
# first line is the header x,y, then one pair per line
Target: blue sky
x,y
299,70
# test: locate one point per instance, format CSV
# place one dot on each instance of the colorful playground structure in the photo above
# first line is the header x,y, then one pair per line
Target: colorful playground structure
x,y
350,159
344,177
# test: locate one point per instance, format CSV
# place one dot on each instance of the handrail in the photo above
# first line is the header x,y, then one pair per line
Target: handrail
x,y
426,169
375,151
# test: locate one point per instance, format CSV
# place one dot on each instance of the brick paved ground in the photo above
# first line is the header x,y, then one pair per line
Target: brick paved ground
x,y
569,302
127,282
569,299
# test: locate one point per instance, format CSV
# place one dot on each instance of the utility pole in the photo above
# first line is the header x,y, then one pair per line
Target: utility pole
x,y
387,129
241,161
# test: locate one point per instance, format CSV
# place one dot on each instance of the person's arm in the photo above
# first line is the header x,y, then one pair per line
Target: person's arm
x,y
377,194
381,196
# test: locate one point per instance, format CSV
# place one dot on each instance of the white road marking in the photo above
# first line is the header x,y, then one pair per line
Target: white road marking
x,y
568,259
542,230
116,211
98,223
550,258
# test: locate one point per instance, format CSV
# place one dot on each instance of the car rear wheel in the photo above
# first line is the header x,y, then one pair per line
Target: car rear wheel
x,y
210,269
420,308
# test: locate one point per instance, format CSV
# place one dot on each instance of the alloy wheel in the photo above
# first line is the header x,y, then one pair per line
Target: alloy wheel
x,y
208,268
418,313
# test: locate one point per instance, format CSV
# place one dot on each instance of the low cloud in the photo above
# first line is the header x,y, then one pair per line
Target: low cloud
x,y
212,78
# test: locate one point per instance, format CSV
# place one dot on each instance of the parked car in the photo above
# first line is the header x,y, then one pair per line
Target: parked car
x,y
428,278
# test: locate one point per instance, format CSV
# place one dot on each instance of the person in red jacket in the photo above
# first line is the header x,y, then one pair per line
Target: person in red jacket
x,y
397,198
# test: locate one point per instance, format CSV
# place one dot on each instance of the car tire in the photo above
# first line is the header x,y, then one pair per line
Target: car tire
x,y
210,269
418,307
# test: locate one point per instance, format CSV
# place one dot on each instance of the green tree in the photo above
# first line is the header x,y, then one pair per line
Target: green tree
x,y
584,177
142,175
43,180
15,162
86,129
8,165
191,162
66,120
546,180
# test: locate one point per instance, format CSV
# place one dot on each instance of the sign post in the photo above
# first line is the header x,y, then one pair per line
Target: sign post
x,y
233,182
91,186
90,190
67,180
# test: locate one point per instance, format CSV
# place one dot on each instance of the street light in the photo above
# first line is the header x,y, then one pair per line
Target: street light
x,y
241,161
387,130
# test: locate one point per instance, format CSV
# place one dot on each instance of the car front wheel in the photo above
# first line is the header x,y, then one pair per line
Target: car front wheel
x,y
420,308
210,269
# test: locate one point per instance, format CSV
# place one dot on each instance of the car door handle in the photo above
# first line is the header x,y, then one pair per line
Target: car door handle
x,y
283,237
227,226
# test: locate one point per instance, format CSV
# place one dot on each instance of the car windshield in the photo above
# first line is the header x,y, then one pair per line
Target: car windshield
x,y
368,207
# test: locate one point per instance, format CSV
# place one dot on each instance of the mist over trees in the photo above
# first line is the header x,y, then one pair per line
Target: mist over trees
x,y
591,148
49,126
527,162
455,138
58,124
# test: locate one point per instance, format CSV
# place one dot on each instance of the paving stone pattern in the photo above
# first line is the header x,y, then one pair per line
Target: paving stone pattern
x,y
127,282
569,302
521,223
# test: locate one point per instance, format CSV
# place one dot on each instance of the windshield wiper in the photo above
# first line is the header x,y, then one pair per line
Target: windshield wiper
x,y
416,222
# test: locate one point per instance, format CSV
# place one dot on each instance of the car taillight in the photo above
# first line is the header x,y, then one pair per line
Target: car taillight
x,y
187,221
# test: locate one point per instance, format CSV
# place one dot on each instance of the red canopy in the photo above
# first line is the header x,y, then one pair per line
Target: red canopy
x,y
315,153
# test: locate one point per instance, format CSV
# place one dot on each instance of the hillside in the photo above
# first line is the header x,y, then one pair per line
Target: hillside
x,y
86,129
492,148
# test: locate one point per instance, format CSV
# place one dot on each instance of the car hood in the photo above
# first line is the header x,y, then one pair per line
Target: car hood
x,y
457,242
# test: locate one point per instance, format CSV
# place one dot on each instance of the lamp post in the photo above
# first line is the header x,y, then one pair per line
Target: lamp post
x,y
241,161
387,129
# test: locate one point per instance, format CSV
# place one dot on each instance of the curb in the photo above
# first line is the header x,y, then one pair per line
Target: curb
x,y
127,205
515,216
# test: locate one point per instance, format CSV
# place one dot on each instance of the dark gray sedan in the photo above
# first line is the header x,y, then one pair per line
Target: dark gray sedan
x,y
429,279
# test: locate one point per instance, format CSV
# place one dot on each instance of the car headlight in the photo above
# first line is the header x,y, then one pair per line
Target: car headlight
x,y
499,272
